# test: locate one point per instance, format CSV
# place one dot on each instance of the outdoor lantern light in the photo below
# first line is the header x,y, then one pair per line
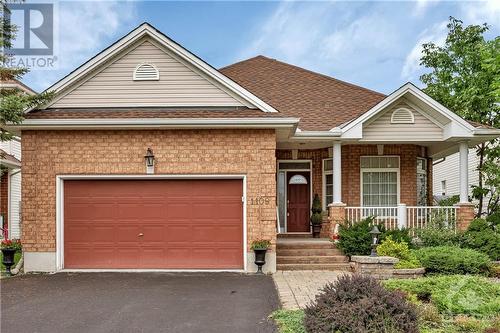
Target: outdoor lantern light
x,y
150,158
375,233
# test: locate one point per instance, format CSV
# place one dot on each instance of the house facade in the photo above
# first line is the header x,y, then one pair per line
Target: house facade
x,y
149,158
10,179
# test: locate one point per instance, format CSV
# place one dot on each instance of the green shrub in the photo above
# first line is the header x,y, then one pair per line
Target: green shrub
x,y
437,237
453,294
399,250
479,225
398,235
453,260
359,304
355,239
494,220
487,242
450,201
482,236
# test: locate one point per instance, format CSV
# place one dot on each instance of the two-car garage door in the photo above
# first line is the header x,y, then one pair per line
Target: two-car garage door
x,y
159,224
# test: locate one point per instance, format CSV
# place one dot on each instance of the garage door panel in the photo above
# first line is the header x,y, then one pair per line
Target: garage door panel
x,y
186,224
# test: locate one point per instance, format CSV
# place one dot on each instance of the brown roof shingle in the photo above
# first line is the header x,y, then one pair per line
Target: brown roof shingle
x,y
67,113
320,101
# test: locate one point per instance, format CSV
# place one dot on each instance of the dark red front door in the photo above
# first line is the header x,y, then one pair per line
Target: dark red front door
x,y
298,197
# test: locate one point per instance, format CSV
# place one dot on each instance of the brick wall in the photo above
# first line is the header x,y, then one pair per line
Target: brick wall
x,y
351,169
4,200
50,153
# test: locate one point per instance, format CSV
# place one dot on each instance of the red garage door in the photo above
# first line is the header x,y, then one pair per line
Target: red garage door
x,y
184,224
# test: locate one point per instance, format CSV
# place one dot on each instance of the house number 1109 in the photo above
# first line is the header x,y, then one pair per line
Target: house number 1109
x,y
259,201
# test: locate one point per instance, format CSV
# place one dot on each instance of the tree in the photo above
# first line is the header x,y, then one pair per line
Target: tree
x,y
464,77
13,102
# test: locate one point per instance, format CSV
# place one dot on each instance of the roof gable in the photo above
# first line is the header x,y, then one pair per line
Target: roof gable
x,y
228,92
452,124
176,84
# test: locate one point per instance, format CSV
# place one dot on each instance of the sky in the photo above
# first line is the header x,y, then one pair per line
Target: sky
x,y
373,44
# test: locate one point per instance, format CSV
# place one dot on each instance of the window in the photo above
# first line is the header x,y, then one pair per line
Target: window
x,y
297,180
146,72
327,182
379,181
443,187
421,182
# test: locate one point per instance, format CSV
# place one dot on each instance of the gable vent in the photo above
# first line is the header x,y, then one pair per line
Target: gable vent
x,y
146,72
402,116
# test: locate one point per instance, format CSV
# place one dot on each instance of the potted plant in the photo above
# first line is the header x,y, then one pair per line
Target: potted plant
x,y
259,248
316,216
9,249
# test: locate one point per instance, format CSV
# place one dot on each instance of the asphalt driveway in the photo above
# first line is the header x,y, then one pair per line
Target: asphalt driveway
x,y
138,302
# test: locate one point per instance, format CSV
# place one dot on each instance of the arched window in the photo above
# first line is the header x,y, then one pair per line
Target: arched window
x,y
402,116
146,72
297,179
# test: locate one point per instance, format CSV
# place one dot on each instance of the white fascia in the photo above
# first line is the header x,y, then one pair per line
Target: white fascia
x,y
316,135
146,29
142,123
10,164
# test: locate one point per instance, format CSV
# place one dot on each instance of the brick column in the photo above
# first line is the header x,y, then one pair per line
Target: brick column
x,y
336,216
465,215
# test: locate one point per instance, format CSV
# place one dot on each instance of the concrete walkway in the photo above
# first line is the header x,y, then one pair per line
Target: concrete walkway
x,y
297,289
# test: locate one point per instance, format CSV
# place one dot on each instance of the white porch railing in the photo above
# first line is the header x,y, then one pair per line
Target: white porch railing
x,y
421,217
399,217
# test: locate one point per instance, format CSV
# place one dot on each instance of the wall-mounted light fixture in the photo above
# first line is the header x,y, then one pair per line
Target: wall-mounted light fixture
x,y
149,158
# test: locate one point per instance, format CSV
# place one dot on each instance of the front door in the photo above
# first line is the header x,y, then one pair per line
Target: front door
x,y
298,201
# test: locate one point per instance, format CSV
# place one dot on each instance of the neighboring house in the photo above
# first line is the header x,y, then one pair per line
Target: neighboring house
x,y
10,181
446,176
149,158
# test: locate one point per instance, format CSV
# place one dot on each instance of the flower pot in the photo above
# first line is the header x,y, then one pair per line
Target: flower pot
x,y
316,228
8,259
260,259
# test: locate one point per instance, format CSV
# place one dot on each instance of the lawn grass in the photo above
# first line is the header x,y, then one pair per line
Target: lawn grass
x,y
289,321
17,256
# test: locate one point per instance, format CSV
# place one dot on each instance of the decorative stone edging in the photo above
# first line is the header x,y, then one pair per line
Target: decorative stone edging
x,y
408,273
383,268
377,267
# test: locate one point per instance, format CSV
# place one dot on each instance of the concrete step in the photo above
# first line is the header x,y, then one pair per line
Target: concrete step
x,y
308,252
346,267
311,259
296,235
303,244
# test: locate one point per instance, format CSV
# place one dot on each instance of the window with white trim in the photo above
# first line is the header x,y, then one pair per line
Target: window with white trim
x,y
421,181
379,181
327,182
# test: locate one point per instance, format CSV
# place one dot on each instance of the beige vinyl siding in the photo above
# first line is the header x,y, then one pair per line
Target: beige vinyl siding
x,y
179,85
13,147
381,129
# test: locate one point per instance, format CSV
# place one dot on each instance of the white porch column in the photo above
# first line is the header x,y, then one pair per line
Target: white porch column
x,y
337,172
464,172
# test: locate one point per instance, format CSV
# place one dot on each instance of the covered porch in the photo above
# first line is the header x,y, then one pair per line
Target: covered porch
x,y
392,182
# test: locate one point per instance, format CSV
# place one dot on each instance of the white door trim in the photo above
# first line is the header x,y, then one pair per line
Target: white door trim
x,y
60,209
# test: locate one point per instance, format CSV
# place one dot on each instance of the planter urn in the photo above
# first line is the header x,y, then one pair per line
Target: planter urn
x,y
8,259
260,259
316,229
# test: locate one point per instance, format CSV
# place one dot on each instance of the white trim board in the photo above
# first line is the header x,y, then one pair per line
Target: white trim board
x,y
60,210
146,30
